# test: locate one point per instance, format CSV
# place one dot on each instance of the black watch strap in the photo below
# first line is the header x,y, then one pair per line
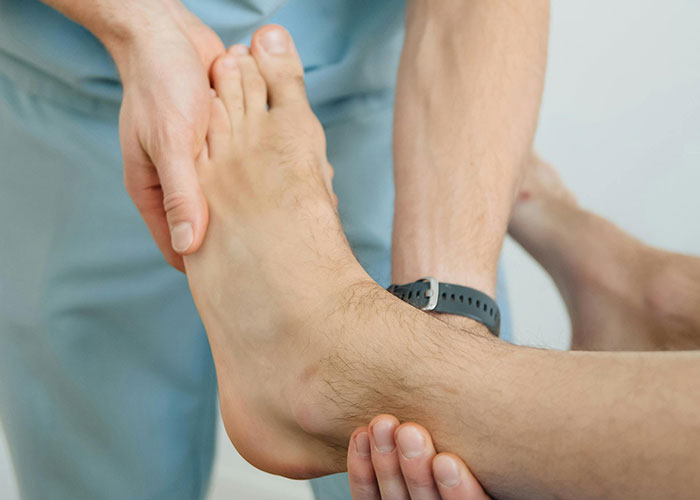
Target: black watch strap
x,y
430,295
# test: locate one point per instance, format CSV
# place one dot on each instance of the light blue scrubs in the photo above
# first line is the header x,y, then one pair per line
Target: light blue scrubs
x,y
107,388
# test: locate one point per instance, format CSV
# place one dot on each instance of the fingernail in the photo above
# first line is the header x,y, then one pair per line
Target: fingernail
x,y
239,50
212,92
446,471
275,41
383,432
182,236
362,444
411,442
228,62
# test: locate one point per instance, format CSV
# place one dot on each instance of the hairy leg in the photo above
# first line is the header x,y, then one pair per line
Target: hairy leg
x,y
307,348
620,293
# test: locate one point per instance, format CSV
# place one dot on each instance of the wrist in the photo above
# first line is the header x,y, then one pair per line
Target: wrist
x,y
133,30
453,248
415,260
120,24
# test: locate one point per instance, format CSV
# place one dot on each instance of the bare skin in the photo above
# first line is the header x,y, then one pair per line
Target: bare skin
x,y
307,348
662,317
405,466
163,53
620,293
467,101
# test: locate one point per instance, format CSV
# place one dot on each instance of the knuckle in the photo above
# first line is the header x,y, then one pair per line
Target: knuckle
x,y
176,202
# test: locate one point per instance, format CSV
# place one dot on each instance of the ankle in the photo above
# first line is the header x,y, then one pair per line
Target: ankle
x,y
388,357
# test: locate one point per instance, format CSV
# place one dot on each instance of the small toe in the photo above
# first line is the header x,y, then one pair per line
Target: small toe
x,y
219,132
279,63
226,78
254,86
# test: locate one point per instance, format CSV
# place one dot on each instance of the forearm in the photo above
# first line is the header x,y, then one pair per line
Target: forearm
x,y
467,100
530,423
111,19
121,24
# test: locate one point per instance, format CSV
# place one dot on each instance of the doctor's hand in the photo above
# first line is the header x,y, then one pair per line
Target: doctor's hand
x,y
388,461
164,61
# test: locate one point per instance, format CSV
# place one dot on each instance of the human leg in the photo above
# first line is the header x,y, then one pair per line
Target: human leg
x,y
620,293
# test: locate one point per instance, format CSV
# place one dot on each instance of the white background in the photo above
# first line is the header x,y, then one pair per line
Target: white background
x,y
621,121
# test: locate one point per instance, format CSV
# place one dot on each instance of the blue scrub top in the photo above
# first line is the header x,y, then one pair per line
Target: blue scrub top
x,y
349,47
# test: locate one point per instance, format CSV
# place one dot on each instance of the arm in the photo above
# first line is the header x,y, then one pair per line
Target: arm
x,y
467,98
163,53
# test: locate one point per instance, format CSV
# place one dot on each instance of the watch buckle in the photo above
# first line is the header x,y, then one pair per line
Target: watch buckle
x,y
432,293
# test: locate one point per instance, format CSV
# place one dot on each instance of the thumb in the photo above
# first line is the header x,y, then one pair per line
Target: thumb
x,y
184,203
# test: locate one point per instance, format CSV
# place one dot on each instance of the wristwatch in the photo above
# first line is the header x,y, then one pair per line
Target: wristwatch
x,y
428,294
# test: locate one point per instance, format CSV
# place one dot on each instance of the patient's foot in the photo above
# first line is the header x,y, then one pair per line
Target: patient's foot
x,y
274,239
302,353
620,293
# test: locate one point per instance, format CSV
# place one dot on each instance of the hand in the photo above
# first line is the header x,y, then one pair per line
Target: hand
x,y
163,124
381,470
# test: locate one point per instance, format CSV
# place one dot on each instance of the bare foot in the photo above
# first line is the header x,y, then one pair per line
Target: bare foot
x,y
275,282
620,293
306,345
274,238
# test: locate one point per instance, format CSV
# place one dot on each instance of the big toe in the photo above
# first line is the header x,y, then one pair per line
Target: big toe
x,y
279,63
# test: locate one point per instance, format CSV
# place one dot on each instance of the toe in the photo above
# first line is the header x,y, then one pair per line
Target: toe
x,y
279,63
254,86
219,133
226,77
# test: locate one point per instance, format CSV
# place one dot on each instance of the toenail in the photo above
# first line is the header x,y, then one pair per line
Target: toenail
x,y
275,41
446,471
182,236
362,444
411,442
228,62
383,432
239,50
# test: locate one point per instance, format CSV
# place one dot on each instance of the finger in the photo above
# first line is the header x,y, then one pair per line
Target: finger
x,y
363,483
454,479
416,454
142,184
184,203
385,458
